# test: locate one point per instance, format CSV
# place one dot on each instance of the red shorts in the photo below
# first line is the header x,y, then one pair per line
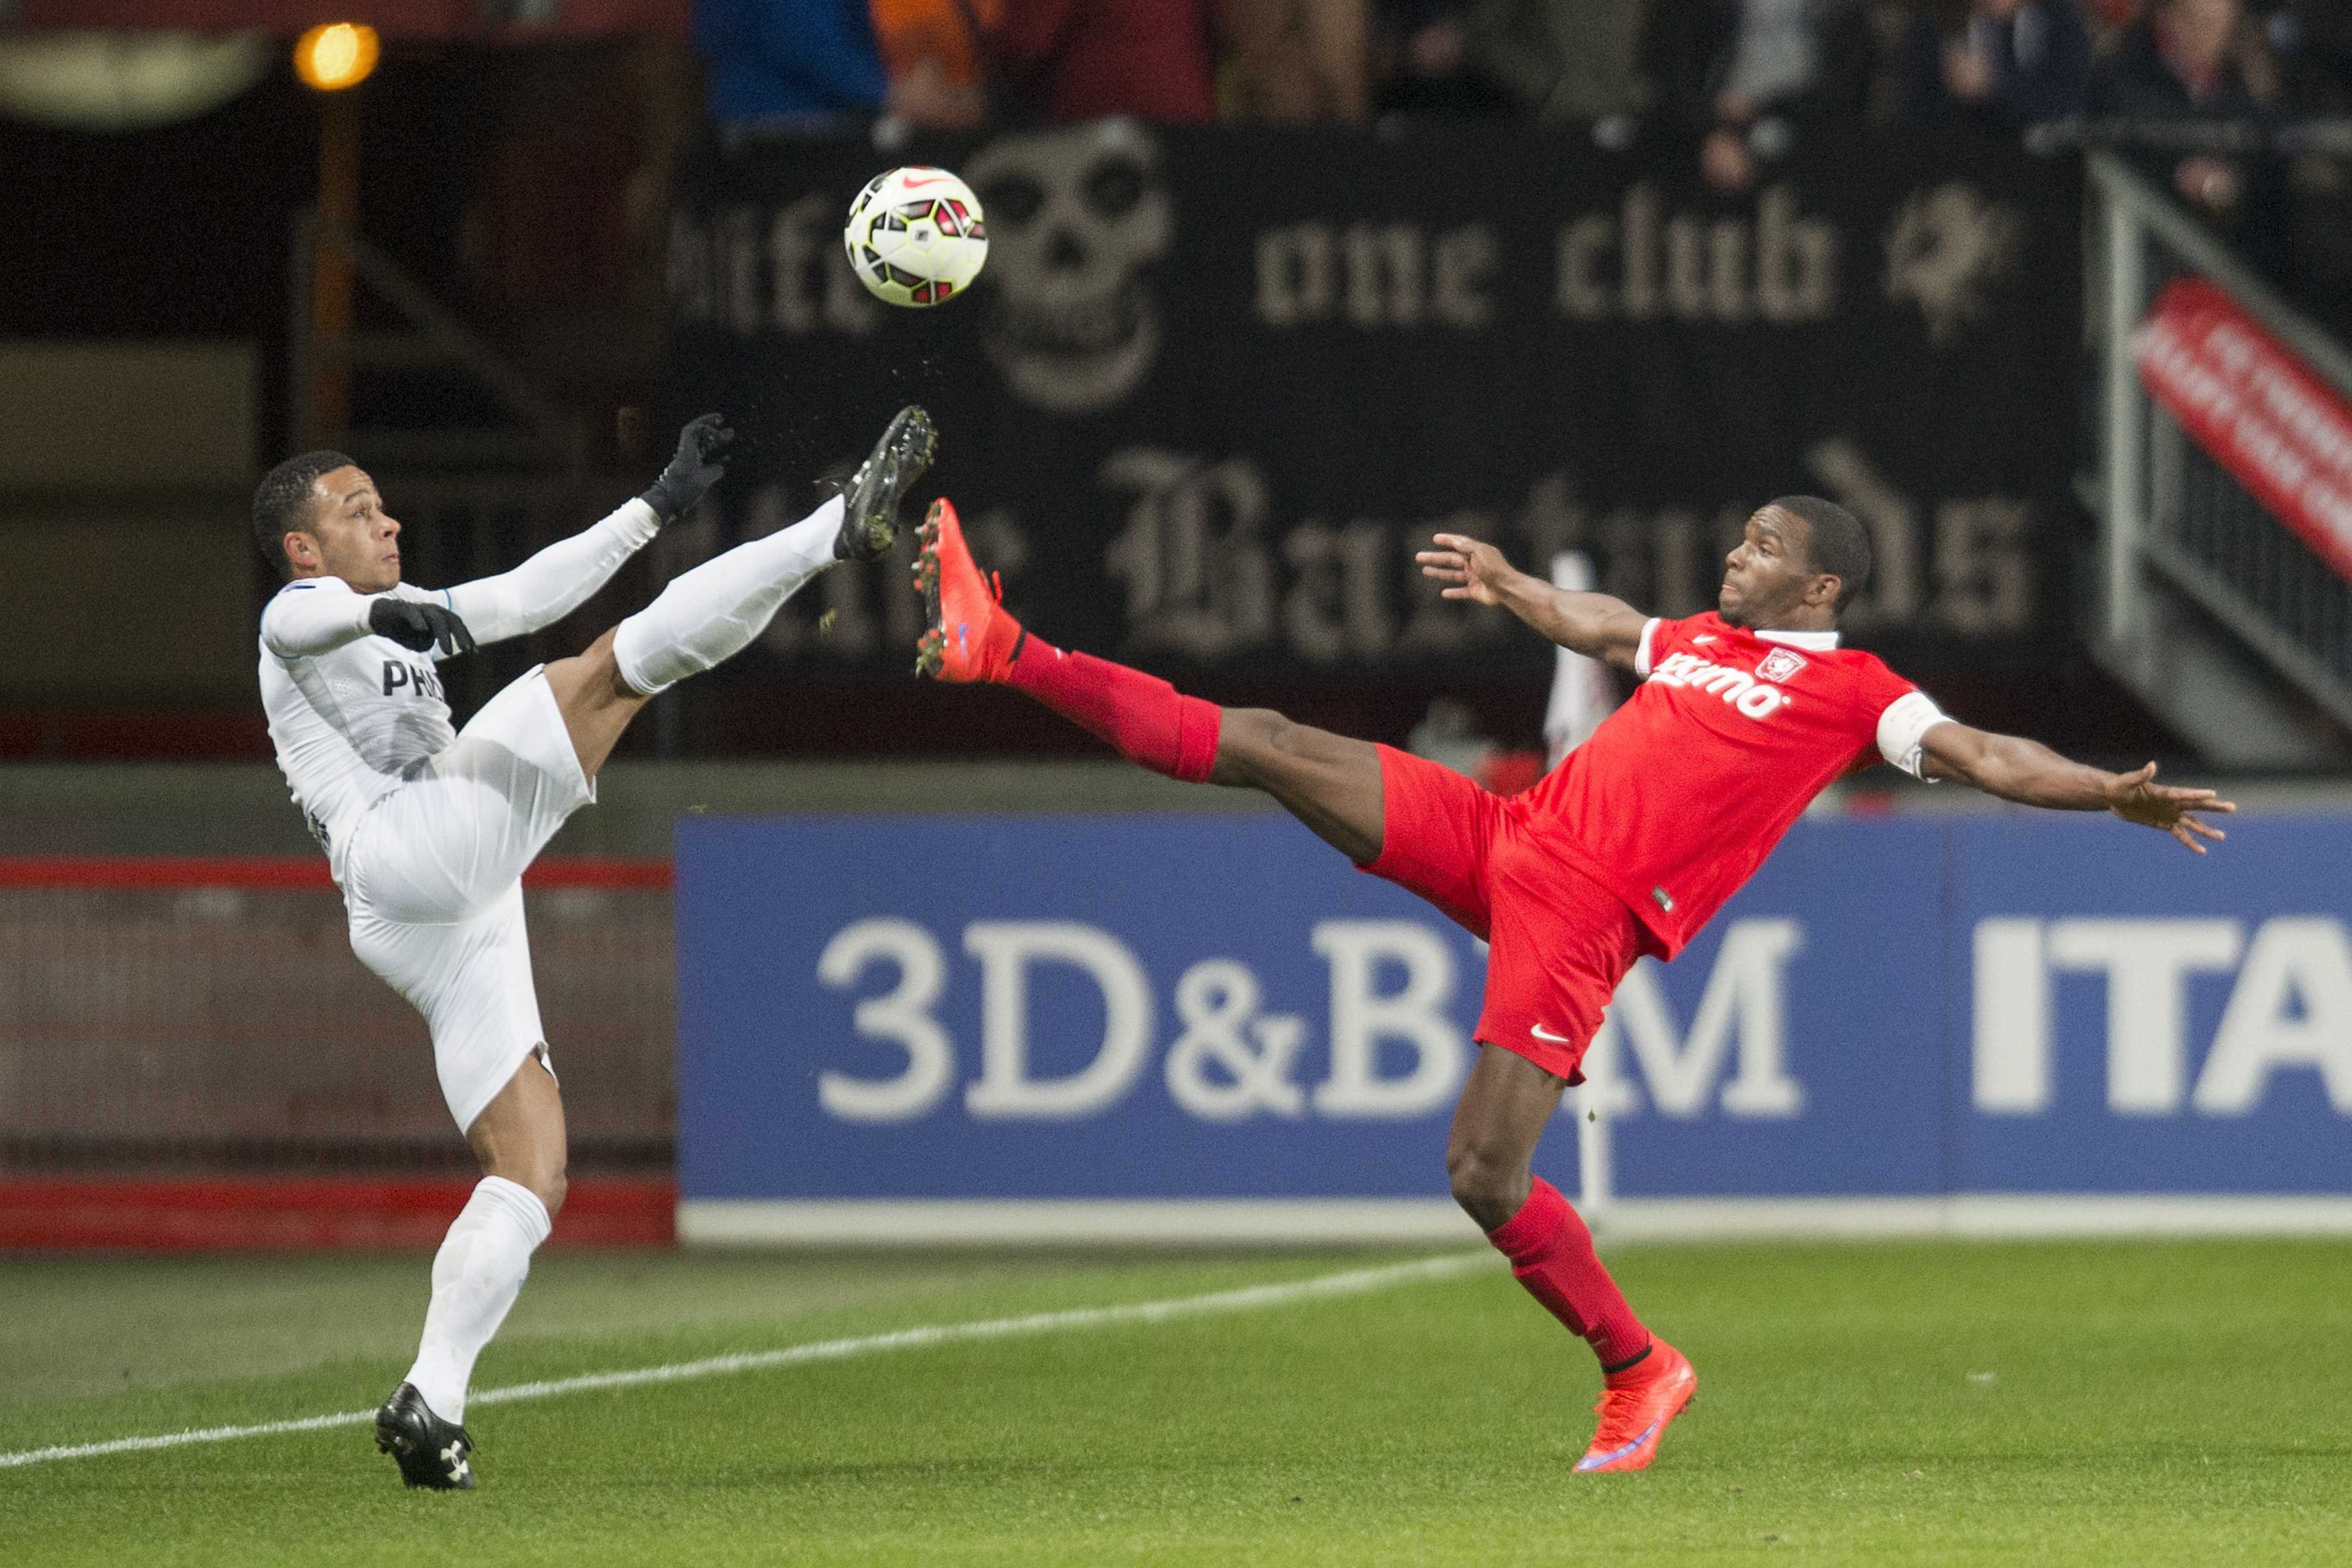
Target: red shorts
x,y
1558,942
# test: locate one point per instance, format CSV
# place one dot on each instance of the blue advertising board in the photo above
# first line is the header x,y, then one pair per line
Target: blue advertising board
x,y
2148,1022
944,1027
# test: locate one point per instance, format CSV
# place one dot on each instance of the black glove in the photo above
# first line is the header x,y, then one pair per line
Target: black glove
x,y
419,626
700,463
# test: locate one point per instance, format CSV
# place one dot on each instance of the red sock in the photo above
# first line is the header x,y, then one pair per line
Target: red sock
x,y
1149,721
1551,1253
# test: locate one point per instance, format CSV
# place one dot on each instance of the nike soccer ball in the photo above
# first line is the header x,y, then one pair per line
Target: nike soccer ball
x,y
915,236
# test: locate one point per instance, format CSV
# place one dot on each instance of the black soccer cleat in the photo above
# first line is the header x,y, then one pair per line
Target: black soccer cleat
x,y
432,1453
869,518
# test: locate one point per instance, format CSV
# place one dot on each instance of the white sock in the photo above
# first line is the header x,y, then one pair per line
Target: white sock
x,y
476,1277
712,613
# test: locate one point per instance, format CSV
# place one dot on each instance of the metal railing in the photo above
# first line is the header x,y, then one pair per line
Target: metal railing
x,y
2217,544
2176,526
318,358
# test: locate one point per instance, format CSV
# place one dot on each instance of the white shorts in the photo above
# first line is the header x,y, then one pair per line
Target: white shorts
x,y
433,882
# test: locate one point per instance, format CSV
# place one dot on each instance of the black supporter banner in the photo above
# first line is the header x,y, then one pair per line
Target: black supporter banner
x,y
1215,386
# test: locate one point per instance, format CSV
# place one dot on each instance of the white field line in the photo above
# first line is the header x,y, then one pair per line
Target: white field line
x,y
1252,1297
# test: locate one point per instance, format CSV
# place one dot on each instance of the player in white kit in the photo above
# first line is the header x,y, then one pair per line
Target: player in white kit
x,y
427,829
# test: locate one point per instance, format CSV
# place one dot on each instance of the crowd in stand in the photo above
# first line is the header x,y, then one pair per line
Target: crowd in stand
x,y
1745,81
2008,63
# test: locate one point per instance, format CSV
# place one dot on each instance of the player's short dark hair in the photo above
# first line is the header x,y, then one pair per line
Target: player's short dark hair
x,y
282,503
1835,542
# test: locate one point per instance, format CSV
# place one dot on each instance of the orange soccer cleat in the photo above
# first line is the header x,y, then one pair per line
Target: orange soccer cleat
x,y
1635,1414
971,637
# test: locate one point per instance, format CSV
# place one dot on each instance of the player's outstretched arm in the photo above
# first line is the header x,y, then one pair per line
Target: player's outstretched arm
x,y
563,576
310,618
2032,774
1593,625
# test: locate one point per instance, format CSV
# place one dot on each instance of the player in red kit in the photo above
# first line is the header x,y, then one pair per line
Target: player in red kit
x,y
1629,847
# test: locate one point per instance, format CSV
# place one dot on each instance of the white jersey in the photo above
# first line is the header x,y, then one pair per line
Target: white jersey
x,y
352,715
349,723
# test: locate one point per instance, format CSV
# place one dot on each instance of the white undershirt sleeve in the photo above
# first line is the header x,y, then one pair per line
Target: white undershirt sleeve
x,y
555,582
1641,650
1903,728
314,616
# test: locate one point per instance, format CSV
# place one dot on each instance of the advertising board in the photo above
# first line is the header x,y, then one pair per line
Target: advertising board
x,y
1208,1027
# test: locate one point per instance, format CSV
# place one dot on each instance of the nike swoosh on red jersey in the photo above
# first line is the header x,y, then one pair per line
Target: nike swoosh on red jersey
x,y
1541,1033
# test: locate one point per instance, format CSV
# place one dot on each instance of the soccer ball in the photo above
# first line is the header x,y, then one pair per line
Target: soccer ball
x,y
915,236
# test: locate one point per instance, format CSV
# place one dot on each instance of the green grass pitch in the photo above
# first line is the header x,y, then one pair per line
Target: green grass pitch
x,y
2053,1402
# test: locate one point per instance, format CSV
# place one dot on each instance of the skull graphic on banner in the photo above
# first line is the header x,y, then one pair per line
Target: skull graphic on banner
x,y
1074,217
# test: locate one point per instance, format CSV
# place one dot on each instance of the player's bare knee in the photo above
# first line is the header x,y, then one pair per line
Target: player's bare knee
x,y
541,1173
1489,1183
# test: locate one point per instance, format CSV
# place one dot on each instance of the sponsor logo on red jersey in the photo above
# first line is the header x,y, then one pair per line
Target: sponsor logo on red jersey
x,y
1756,699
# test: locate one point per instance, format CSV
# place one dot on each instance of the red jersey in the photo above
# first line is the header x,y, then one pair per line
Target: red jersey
x,y
1678,796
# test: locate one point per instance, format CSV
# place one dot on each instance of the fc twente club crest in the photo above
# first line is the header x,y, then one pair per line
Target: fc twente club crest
x,y
1780,664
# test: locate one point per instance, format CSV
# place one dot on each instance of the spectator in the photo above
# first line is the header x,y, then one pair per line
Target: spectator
x,y
2184,61
1772,64
2312,41
1426,67
1084,60
804,62
2109,20
1296,60
932,51
2003,64
1565,59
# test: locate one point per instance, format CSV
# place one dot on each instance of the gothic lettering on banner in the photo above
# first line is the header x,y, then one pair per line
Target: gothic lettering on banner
x,y
1207,408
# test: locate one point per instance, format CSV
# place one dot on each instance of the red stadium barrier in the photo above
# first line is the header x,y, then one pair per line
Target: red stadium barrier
x,y
265,1214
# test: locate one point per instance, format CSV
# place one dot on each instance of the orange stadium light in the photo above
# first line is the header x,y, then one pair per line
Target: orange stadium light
x,y
336,56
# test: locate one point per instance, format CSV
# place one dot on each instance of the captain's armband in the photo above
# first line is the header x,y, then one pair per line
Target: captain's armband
x,y
1903,731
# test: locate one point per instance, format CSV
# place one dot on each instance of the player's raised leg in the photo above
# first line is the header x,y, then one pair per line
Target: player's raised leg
x,y
530,758
708,615
1330,782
